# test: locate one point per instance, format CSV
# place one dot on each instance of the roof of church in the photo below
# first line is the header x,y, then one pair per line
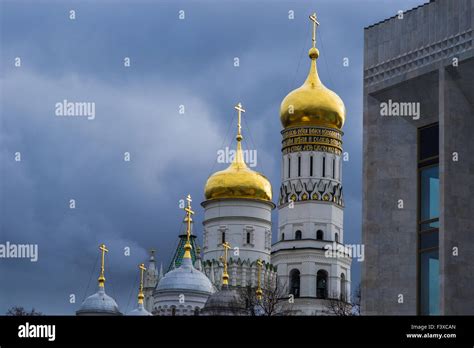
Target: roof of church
x,y
139,311
99,303
226,301
186,277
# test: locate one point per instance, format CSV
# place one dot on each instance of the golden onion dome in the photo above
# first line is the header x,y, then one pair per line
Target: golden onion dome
x,y
238,180
312,104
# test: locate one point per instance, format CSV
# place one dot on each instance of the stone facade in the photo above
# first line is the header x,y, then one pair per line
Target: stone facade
x,y
244,223
426,57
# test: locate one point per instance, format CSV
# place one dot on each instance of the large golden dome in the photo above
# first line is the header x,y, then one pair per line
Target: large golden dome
x,y
238,180
312,104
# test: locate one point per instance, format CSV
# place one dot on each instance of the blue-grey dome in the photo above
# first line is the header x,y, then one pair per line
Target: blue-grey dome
x,y
140,311
99,304
226,301
186,277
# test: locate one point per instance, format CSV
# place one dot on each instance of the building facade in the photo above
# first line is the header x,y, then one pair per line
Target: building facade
x,y
418,164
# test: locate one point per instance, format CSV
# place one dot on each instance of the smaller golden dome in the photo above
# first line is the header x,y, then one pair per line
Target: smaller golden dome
x,y
312,104
238,180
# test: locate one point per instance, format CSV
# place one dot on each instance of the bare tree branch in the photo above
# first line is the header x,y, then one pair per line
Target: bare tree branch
x,y
20,311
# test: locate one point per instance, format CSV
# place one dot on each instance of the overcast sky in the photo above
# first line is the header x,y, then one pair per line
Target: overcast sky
x,y
174,62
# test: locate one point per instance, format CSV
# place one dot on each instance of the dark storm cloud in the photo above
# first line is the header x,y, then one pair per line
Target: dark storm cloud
x,y
174,62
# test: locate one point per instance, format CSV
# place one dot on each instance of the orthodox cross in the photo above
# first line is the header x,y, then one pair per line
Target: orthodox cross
x,y
189,213
239,109
103,249
314,19
140,292
225,275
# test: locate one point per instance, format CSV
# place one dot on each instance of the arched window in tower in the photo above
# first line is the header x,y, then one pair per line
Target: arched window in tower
x,y
196,311
334,168
248,237
319,235
173,311
295,283
311,165
336,237
324,167
322,284
223,237
343,287
289,166
298,234
283,236
299,166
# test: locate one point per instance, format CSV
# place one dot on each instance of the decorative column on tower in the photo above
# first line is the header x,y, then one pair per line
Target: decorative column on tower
x,y
150,282
310,206
237,210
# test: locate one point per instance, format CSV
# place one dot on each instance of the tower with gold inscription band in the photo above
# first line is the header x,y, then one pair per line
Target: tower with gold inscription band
x,y
310,205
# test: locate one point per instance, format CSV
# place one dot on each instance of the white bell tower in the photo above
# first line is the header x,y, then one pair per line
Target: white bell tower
x,y
310,206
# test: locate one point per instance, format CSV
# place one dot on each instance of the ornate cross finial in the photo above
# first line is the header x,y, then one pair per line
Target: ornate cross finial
x,y
259,291
141,296
314,19
225,275
240,109
103,249
189,213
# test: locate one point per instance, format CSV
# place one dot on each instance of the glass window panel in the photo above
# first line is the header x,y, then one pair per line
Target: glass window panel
x,y
429,283
429,200
429,240
429,142
429,225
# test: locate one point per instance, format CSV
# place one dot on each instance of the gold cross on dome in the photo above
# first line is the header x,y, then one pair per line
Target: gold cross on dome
x,y
103,249
240,109
226,246
141,296
225,275
314,19
189,213
188,219
142,270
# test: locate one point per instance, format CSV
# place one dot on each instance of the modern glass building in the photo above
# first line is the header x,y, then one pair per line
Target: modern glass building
x,y
418,204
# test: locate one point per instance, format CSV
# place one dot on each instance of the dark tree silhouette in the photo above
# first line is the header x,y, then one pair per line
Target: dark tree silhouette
x,y
275,300
342,306
18,311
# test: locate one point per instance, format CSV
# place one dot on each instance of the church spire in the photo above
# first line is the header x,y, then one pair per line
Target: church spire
x,y
101,279
314,19
313,77
312,104
225,275
189,213
239,158
141,296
